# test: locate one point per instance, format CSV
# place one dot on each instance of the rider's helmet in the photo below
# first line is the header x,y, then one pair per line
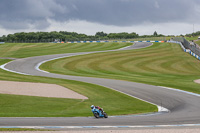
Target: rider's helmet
x,y
92,106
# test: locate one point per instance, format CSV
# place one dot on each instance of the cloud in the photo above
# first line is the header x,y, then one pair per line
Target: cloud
x,y
18,15
90,28
157,5
82,26
23,14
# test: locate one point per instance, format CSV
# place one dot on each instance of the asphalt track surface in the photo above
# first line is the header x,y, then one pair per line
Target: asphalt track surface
x,y
184,108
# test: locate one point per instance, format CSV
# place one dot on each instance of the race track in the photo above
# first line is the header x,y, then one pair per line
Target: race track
x,y
184,108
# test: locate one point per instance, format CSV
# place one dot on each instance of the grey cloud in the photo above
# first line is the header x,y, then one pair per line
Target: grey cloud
x,y
126,13
21,14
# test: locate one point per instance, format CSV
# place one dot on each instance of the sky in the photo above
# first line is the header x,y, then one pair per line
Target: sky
x,y
168,17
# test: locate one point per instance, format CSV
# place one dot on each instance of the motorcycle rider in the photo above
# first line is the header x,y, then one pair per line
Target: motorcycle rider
x,y
97,107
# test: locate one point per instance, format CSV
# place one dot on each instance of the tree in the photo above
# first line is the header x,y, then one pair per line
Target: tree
x,y
155,33
133,35
101,34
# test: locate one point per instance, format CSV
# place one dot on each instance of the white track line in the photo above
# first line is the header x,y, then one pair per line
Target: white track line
x,y
187,92
102,127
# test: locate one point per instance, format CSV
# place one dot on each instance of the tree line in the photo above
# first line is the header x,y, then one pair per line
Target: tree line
x,y
67,36
193,34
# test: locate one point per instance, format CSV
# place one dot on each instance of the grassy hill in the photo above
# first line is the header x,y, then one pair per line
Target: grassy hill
x,y
161,64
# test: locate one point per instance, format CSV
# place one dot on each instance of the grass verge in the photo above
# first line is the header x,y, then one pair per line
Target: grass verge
x,y
198,42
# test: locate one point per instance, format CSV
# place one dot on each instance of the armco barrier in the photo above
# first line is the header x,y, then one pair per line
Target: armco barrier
x,y
2,42
185,50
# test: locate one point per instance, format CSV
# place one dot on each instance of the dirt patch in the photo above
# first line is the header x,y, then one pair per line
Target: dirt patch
x,y
38,89
197,81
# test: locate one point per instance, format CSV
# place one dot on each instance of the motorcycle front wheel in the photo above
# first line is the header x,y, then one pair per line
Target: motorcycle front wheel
x,y
96,115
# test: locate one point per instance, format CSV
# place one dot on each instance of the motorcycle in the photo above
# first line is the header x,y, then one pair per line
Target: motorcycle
x,y
99,114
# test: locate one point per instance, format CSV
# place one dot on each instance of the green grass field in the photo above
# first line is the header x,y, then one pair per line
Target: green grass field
x,y
163,64
198,42
191,38
113,102
21,50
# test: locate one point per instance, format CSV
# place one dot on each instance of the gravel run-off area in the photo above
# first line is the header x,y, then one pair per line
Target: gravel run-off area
x,y
38,89
197,81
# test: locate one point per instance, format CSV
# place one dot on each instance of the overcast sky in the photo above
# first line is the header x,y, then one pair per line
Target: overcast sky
x,y
90,16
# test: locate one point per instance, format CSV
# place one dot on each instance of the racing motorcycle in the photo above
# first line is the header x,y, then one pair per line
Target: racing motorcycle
x,y
99,114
